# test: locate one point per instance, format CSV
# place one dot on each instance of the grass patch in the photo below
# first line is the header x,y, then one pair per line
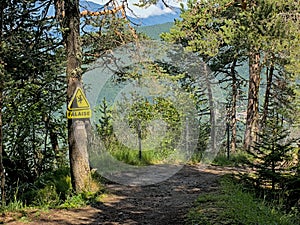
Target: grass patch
x,y
233,205
131,156
237,159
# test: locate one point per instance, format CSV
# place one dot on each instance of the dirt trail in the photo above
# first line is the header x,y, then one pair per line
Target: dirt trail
x,y
160,204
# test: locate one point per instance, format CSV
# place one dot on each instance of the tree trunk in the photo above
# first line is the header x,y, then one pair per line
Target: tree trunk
x,y
139,132
213,138
253,100
269,76
298,158
2,171
77,128
54,144
233,108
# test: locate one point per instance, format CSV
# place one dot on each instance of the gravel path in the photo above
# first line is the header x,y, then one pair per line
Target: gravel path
x,y
165,203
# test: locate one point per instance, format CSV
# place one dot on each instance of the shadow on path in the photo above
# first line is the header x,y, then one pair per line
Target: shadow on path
x,y
164,203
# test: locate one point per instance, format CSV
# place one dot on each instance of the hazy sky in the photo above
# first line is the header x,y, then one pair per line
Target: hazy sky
x,y
149,11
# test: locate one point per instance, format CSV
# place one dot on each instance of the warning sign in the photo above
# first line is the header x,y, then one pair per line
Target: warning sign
x,y
78,101
79,107
79,114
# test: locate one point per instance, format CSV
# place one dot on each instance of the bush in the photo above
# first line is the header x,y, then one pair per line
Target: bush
x,y
74,201
49,190
46,197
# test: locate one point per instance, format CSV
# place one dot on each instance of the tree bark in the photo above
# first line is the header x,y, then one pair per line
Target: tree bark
x,y
139,132
213,137
233,108
253,100
77,128
2,171
269,76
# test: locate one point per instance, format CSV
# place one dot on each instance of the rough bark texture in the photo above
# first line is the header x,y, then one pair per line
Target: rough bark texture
x,y
233,107
253,100
77,128
2,172
298,157
269,75
213,141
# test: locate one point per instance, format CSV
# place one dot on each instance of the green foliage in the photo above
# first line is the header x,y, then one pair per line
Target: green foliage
x,y
73,201
142,112
108,32
237,159
105,128
46,197
272,152
228,31
53,190
157,111
292,193
33,85
131,156
233,204
199,30
33,93
90,196
49,190
14,205
203,140
145,115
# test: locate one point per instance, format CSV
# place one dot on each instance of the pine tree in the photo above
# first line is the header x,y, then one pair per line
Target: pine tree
x,y
31,92
274,148
272,152
255,30
105,128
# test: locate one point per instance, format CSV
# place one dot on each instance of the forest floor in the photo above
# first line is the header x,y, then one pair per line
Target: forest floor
x,y
163,203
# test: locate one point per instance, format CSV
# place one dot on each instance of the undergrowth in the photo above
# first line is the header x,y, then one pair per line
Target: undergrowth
x,y
237,159
233,204
53,190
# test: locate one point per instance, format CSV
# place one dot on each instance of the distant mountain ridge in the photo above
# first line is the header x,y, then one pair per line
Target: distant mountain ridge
x,y
154,31
151,20
158,19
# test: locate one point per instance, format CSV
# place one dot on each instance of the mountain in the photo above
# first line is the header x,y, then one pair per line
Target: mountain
x,y
154,31
154,14
90,6
157,19
165,16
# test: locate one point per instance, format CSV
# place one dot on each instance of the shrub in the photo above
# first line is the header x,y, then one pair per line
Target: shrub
x,y
49,190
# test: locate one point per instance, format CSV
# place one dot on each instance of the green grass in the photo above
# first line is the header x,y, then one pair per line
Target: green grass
x,y
132,157
233,205
237,159
149,157
53,190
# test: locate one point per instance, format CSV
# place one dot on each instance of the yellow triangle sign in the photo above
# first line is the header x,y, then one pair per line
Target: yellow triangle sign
x,y
78,100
